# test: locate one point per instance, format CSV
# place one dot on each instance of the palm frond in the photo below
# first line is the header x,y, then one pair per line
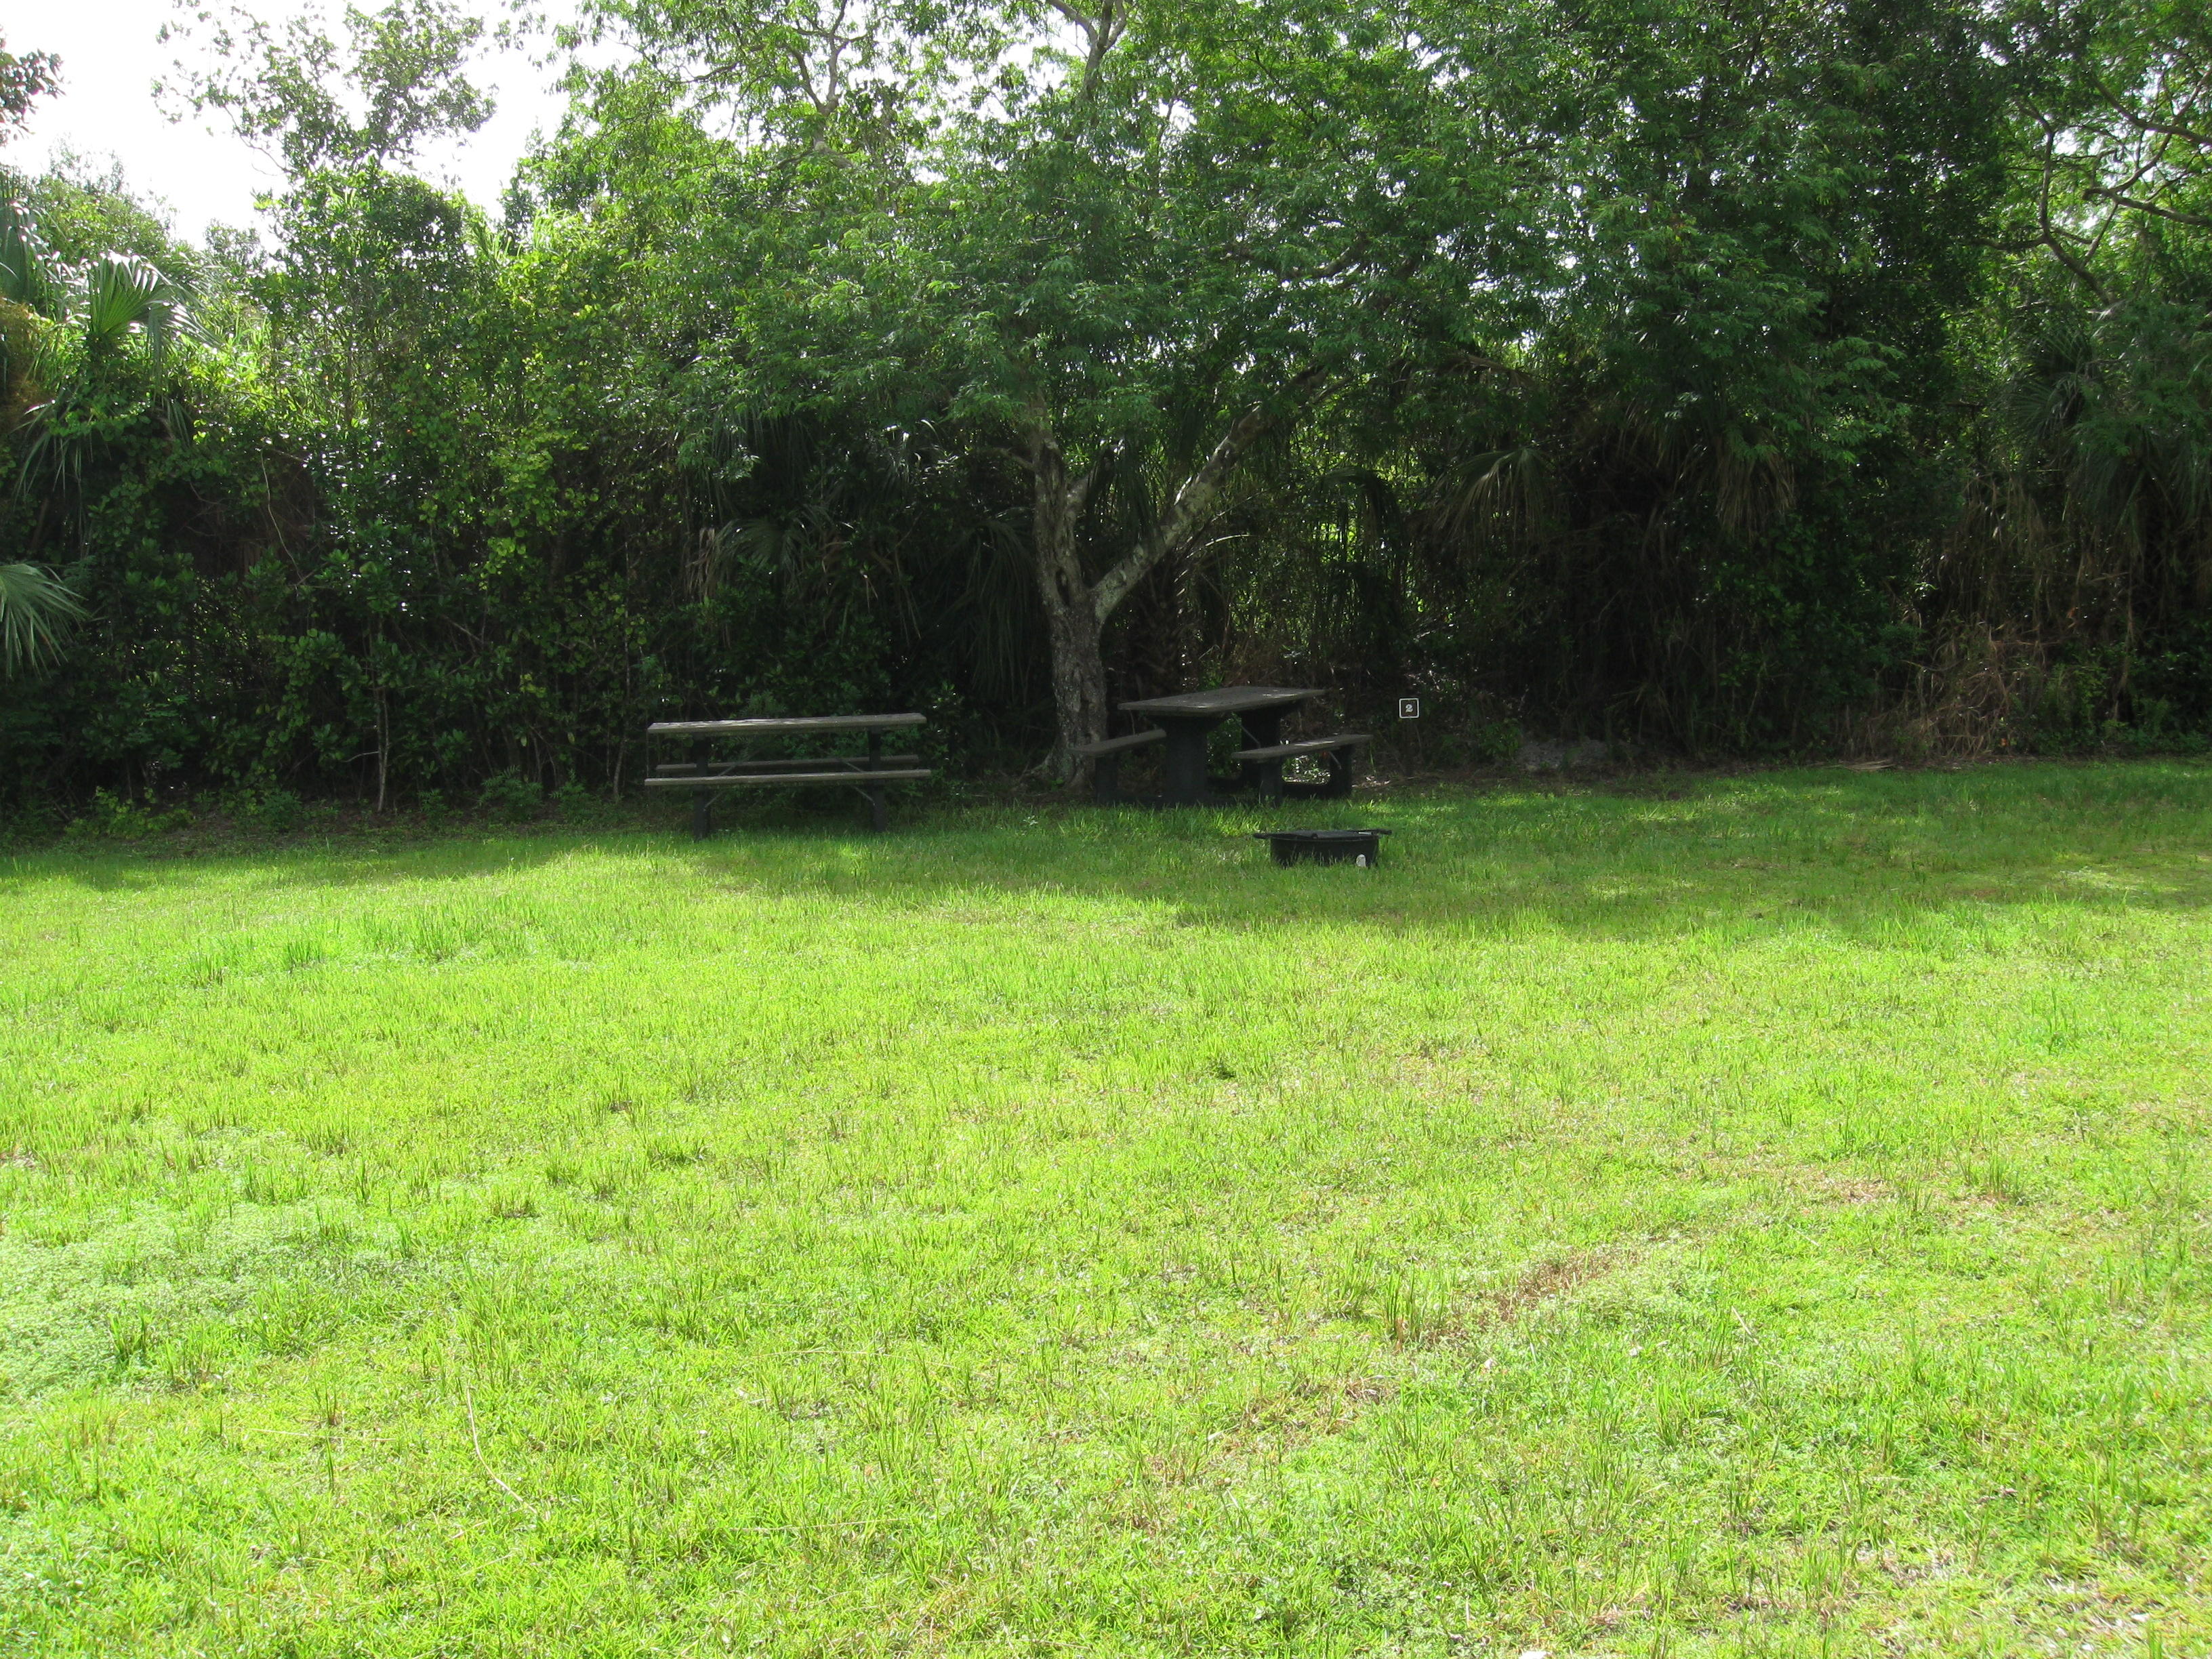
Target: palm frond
x,y
118,295
35,612
26,271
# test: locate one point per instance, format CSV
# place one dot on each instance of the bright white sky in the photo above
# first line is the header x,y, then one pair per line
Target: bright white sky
x,y
110,60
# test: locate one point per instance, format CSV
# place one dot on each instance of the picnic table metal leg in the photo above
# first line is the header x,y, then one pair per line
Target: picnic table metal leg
x,y
1185,763
1263,729
1340,775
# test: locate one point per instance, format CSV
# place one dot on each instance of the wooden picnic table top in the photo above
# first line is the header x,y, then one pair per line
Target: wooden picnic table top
x,y
1221,701
776,728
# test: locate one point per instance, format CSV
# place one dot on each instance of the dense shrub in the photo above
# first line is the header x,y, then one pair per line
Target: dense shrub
x,y
1821,436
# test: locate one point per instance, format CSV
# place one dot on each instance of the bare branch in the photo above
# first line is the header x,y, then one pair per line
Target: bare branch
x,y
1100,32
2052,238
1078,492
1195,500
2137,119
2198,220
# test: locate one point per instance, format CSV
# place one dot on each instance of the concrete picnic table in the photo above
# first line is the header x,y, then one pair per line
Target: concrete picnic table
x,y
1190,717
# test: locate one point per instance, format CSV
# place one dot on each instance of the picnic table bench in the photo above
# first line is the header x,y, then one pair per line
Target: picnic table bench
x,y
1105,758
709,776
1187,720
1334,751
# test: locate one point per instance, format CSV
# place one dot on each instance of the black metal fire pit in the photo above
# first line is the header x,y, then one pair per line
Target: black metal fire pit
x,y
1361,847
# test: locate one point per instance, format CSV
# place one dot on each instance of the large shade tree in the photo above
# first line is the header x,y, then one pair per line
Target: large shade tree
x,y
1121,245
1215,217
1129,248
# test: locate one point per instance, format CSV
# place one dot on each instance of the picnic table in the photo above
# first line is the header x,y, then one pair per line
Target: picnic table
x,y
1187,720
711,777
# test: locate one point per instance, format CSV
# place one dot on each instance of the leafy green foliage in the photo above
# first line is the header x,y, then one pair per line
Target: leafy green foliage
x,y
34,609
396,79
25,78
120,297
1702,378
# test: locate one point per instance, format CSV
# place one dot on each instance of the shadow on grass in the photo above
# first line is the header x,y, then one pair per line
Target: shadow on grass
x,y
1628,857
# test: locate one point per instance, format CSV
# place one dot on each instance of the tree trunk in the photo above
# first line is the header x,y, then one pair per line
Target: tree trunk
x,y
1073,623
1076,611
1079,680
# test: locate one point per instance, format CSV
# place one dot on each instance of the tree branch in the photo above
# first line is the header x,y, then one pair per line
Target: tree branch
x,y
1195,499
1101,31
1078,493
2144,123
2192,219
2050,236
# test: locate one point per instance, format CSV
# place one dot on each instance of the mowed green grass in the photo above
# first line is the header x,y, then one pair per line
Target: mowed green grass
x,y
1759,1215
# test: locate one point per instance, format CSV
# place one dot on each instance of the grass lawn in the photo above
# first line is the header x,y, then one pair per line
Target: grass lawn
x,y
1752,1215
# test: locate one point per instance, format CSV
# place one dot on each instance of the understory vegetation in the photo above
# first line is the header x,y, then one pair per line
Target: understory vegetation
x,y
1753,378
1763,1215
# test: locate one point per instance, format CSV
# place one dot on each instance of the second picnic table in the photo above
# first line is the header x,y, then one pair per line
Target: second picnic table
x,y
707,777
1188,718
